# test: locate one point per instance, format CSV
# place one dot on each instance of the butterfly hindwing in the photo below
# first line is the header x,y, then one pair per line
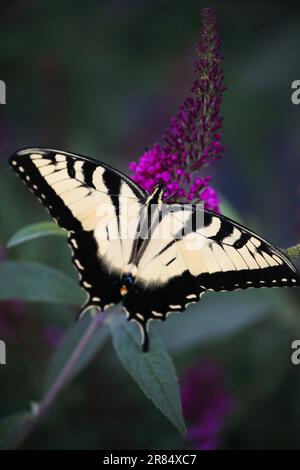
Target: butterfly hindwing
x,y
75,190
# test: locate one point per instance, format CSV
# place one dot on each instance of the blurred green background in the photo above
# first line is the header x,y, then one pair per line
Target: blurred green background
x,y
103,78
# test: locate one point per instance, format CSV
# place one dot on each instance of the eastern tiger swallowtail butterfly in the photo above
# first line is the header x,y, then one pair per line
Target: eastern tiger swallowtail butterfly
x,y
152,276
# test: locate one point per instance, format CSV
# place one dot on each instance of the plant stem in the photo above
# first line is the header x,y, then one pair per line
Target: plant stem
x,y
59,382
65,372
293,251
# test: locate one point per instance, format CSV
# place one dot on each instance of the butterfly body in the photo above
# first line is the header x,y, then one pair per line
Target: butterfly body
x,y
130,247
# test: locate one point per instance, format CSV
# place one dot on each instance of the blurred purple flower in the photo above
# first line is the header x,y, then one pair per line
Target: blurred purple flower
x,y
193,139
206,404
52,335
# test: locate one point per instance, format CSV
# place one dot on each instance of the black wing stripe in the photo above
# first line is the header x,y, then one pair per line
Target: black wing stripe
x,y
113,184
225,231
207,218
71,168
43,191
245,237
166,247
88,171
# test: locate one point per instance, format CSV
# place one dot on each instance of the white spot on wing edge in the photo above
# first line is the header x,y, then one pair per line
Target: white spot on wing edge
x,y
157,314
74,243
78,264
86,284
191,296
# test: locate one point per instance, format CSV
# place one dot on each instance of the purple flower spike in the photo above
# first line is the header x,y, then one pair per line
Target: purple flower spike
x,y
192,140
206,404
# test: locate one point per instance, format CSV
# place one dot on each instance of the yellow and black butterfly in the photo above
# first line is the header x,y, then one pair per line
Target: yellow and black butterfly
x,y
151,275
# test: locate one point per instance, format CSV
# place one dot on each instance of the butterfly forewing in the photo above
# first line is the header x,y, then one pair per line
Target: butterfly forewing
x,y
90,200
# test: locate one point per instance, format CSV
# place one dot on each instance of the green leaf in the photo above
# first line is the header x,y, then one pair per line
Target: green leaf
x,y
37,282
41,229
154,371
67,346
12,428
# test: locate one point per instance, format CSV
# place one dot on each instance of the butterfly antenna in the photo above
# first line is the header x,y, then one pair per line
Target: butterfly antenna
x,y
168,197
146,150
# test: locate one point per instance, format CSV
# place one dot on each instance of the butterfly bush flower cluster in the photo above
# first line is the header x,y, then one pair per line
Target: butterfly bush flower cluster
x,y
206,404
192,140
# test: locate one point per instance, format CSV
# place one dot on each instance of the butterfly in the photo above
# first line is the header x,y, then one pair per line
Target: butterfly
x,y
152,275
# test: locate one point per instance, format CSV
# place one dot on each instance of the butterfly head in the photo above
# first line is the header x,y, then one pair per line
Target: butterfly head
x,y
126,282
157,196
